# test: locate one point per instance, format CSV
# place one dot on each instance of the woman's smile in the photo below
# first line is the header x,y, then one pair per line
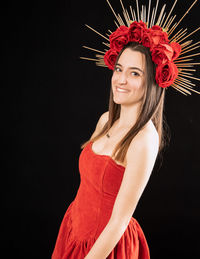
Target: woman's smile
x,y
121,90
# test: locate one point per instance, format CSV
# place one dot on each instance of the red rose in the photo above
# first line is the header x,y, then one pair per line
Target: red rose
x,y
119,38
146,39
177,49
162,54
158,37
136,30
166,74
110,58
156,28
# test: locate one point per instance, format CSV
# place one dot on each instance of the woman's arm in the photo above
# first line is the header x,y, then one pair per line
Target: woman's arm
x,y
141,156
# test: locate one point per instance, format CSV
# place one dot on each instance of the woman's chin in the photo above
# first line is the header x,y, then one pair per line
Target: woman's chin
x,y
119,101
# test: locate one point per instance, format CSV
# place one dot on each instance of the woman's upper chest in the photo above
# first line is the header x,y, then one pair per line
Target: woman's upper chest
x,y
106,146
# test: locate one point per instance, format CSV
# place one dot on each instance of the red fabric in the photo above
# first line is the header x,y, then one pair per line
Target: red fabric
x,y
89,212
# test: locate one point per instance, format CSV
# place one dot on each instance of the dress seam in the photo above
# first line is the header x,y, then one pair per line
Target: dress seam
x,y
101,199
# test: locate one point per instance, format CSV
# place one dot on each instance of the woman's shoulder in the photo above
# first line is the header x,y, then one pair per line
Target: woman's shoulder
x,y
103,118
147,139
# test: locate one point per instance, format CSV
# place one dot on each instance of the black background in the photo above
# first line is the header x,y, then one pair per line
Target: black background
x,y
50,103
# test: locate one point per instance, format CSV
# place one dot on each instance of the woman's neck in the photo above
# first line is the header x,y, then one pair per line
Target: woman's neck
x,y
128,115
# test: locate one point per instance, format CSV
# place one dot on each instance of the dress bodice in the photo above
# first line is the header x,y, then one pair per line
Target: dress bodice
x,y
100,181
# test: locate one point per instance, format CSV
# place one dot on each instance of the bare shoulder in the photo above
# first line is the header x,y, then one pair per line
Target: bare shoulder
x,y
103,118
145,143
101,122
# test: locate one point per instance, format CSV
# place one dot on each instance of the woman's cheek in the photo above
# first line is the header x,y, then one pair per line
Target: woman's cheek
x,y
136,84
114,79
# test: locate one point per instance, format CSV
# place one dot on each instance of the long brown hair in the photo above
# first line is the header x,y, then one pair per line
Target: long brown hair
x,y
152,107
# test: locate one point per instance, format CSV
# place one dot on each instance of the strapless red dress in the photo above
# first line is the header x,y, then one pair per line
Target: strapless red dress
x,y
90,211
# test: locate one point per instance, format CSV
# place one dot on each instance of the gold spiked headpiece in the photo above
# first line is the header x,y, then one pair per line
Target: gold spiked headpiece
x,y
172,53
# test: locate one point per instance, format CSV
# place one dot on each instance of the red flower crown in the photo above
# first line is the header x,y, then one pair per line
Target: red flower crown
x,y
162,51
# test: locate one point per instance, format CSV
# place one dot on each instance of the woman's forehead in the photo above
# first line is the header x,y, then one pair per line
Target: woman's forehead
x,y
131,58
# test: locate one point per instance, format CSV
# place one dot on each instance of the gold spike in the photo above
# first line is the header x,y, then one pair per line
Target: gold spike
x,y
178,89
112,10
162,20
128,16
124,13
183,16
116,24
191,46
142,11
154,17
184,65
170,13
189,64
101,65
197,54
194,90
132,13
191,89
185,73
185,44
145,14
93,49
178,33
187,81
110,31
120,19
185,60
192,77
126,19
186,51
122,5
180,36
187,69
169,24
96,32
135,15
170,21
138,10
149,12
179,80
183,84
182,88
161,14
190,34
99,56
106,44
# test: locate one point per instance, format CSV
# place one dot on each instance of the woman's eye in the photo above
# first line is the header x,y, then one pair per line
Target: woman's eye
x,y
134,74
117,69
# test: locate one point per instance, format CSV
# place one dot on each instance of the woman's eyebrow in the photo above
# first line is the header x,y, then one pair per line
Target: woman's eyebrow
x,y
131,68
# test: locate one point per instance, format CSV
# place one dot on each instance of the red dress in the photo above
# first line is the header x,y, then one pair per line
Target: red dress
x,y
89,212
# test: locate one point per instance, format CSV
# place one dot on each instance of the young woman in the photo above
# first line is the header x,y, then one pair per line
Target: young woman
x,y
115,166
117,161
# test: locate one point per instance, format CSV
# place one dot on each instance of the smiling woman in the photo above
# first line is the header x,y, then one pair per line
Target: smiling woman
x,y
115,166
117,161
129,77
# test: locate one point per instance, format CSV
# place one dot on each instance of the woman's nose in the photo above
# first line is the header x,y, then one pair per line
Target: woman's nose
x,y
122,78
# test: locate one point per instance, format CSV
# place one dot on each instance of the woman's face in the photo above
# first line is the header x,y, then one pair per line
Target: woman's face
x,y
128,80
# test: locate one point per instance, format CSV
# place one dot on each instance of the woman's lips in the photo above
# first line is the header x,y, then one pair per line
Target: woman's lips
x,y
121,90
